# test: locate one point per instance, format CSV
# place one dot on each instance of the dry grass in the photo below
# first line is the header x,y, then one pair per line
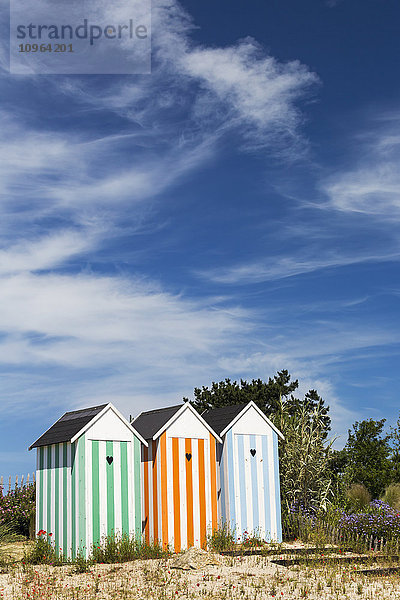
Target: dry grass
x,y
244,578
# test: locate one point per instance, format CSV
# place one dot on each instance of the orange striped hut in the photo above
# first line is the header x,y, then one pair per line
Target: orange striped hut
x,y
179,475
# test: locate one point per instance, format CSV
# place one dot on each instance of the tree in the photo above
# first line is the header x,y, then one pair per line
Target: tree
x,y
266,396
304,457
395,451
367,456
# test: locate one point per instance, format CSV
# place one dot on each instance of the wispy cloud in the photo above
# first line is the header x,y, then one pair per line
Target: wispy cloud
x,y
371,186
282,267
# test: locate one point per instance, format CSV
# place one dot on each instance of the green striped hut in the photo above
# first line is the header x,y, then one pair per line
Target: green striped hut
x,y
88,479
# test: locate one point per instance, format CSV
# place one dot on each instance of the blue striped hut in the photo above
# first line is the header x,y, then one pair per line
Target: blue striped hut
x,y
88,479
248,467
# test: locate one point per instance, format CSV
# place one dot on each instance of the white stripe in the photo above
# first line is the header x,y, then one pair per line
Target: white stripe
x,y
151,498
196,492
69,542
77,507
182,492
131,494
239,526
272,488
89,496
261,468
52,493
61,498
102,489
117,488
170,493
37,491
207,483
45,468
248,484
159,495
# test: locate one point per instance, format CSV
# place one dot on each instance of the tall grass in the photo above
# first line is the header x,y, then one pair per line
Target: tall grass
x,y
111,549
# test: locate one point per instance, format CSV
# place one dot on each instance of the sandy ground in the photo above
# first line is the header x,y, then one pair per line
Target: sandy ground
x,y
246,578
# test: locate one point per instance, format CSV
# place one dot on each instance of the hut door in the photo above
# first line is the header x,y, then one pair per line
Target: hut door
x,y
111,488
252,487
189,512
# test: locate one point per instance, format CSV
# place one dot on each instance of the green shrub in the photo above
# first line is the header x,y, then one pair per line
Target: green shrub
x,y
42,552
359,496
8,533
221,539
392,495
17,508
122,548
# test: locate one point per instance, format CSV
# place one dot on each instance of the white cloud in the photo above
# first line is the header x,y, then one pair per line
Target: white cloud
x,y
45,253
251,89
282,267
371,186
91,320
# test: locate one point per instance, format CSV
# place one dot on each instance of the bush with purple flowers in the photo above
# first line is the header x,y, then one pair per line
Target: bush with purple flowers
x,y
17,507
377,519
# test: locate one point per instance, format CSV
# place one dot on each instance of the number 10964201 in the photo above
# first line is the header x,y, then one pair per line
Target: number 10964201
x,y
45,48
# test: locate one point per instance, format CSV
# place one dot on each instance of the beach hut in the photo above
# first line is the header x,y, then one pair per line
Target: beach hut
x,y
248,465
88,479
179,476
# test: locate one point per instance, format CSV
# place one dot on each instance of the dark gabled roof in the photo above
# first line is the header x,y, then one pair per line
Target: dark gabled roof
x,y
219,418
148,423
69,425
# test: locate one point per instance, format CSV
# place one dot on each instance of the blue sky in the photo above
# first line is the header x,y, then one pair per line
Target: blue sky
x,y
232,214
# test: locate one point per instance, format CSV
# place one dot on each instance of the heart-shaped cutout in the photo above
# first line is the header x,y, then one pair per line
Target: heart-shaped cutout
x,y
110,459
253,451
188,456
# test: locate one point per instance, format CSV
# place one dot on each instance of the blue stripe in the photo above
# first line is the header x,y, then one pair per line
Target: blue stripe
x,y
222,498
277,488
254,484
267,506
242,483
231,478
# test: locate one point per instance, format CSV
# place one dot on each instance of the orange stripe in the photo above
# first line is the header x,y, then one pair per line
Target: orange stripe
x,y
164,497
213,465
146,493
202,495
155,492
189,492
177,503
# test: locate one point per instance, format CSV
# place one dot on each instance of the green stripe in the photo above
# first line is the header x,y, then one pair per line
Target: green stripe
x,y
110,490
95,493
138,512
57,499
65,499
41,487
82,499
73,500
48,466
124,488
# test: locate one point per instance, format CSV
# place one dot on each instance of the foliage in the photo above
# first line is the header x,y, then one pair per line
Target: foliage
x,y
359,496
8,533
368,453
394,440
265,395
222,539
304,458
252,540
122,548
82,564
378,519
392,496
42,551
17,508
